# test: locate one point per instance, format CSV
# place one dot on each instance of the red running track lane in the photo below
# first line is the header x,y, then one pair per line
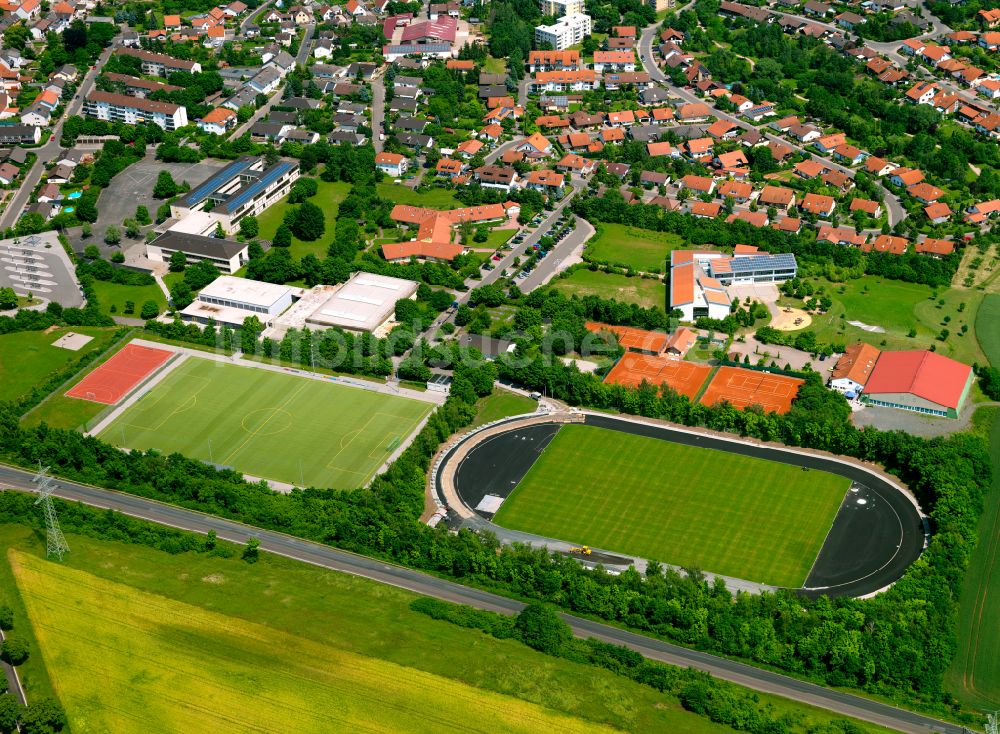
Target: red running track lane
x,y
110,382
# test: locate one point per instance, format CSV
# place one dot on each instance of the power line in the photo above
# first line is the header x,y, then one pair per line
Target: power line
x,y
55,541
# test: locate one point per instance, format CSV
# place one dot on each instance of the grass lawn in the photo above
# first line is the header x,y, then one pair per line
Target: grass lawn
x,y
986,328
434,198
646,292
328,198
897,307
348,619
496,238
656,499
502,404
494,65
974,676
115,294
27,358
642,249
269,424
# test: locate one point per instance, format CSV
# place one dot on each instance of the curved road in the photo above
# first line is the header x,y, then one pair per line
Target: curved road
x,y
895,210
320,555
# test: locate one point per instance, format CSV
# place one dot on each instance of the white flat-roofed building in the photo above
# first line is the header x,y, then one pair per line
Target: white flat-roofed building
x,y
227,255
229,300
569,31
366,302
559,8
133,110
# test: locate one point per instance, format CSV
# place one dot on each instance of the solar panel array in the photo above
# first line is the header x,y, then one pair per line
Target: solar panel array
x,y
269,176
215,182
756,263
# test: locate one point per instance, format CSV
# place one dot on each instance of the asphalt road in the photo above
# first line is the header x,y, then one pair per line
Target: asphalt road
x,y
300,58
51,150
326,557
378,112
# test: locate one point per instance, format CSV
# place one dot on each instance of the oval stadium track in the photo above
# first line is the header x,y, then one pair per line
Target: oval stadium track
x,y
869,546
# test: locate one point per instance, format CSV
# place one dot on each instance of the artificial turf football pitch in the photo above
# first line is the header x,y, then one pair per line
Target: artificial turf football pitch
x,y
688,506
269,424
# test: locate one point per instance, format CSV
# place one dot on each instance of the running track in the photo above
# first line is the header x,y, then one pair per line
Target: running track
x,y
320,555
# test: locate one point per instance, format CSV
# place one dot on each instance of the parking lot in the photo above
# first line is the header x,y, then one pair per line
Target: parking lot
x,y
134,187
39,265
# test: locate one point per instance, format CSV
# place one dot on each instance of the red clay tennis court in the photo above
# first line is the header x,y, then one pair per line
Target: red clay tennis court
x,y
110,382
684,377
743,388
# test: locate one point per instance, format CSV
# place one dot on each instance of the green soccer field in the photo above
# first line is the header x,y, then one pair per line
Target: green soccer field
x,y
269,424
724,513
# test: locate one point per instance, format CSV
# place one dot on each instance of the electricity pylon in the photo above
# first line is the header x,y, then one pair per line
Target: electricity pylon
x,y
55,541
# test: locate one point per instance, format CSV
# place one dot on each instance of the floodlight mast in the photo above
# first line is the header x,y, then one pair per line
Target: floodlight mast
x,y
55,541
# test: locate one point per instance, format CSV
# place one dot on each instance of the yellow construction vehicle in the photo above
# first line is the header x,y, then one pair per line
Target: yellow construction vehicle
x,y
583,550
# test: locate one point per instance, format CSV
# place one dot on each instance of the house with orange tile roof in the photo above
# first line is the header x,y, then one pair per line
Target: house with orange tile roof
x,y
697,184
548,182
935,247
391,164
925,193
887,243
819,204
938,213
535,145
218,121
449,167
573,163
868,206
854,368
779,197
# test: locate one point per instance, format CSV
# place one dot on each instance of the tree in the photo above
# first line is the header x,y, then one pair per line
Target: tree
x,y
113,235
6,617
149,310
8,300
86,230
43,717
178,262
165,186
251,553
129,307
10,712
309,223
142,215
181,295
15,650
539,626
252,328
211,540
282,237
91,252
249,227
132,230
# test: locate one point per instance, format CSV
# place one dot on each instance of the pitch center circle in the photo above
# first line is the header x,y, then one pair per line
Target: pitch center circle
x,y
267,421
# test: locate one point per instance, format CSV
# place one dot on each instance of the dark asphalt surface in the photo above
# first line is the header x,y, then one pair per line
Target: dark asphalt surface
x,y
320,555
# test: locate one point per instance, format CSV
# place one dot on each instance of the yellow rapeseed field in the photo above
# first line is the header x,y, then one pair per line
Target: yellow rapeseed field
x,y
124,660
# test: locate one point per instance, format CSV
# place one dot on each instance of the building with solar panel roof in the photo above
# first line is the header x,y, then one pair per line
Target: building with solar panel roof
x,y
247,186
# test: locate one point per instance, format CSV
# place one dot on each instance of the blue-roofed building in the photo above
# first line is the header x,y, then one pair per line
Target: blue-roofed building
x,y
247,186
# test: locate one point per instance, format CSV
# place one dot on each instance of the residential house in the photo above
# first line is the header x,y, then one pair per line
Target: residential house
x,y
391,164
